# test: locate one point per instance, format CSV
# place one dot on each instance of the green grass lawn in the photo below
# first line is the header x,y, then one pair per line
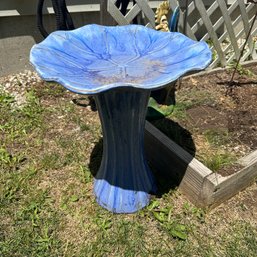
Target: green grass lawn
x,y
49,148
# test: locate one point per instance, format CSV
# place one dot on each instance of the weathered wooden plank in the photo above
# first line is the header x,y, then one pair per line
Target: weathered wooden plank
x,y
200,22
209,26
133,12
116,14
249,159
233,184
247,27
220,22
105,17
201,186
229,27
148,12
170,159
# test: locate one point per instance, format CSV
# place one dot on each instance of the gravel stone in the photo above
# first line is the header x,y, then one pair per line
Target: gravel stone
x,y
17,86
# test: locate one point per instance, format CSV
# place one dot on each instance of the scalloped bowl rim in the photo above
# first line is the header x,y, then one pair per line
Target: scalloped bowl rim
x,y
110,86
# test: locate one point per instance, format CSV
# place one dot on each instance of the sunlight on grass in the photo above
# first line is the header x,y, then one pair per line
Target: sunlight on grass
x,y
47,206
211,151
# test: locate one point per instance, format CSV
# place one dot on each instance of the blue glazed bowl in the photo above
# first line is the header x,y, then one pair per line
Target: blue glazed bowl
x,y
95,58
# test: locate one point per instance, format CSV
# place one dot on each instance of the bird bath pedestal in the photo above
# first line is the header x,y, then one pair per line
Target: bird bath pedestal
x,y
120,66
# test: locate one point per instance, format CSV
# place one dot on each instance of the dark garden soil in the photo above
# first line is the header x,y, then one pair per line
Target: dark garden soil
x,y
213,105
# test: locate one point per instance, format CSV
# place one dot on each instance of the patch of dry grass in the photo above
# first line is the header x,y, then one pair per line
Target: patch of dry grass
x,y
47,207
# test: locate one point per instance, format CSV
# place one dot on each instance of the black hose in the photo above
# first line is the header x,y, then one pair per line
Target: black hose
x,y
60,22
40,24
67,16
62,16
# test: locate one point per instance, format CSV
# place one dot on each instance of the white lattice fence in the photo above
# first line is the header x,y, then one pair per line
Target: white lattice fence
x,y
141,6
223,26
226,31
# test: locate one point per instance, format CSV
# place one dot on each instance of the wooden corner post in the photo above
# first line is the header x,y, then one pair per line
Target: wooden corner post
x,y
105,17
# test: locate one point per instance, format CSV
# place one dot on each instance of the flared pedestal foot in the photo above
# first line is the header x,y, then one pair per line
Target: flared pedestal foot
x,y
118,200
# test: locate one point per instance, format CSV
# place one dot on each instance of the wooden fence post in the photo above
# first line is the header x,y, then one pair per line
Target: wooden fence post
x,y
105,17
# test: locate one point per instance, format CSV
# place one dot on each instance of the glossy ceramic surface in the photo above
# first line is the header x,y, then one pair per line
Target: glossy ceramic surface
x,y
121,65
124,182
96,58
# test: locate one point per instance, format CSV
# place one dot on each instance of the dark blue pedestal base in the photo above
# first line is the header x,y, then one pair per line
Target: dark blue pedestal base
x,y
124,181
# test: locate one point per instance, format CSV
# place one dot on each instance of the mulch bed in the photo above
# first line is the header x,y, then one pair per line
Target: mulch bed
x,y
234,109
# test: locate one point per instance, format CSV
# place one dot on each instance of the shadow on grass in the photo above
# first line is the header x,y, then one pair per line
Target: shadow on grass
x,y
167,177
166,165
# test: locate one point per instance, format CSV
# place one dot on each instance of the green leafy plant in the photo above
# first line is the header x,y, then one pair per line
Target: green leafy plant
x,y
218,160
6,99
164,216
9,161
214,52
240,69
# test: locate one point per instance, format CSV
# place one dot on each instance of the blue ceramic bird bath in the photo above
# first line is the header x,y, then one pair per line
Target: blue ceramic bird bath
x,y
120,66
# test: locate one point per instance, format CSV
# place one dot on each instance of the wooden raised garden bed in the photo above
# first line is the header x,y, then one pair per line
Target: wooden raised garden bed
x,y
208,108
202,187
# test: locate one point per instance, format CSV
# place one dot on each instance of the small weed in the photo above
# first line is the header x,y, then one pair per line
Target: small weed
x,y
177,230
165,217
243,243
198,213
9,161
36,235
84,174
217,160
240,69
50,89
180,110
15,183
33,108
217,137
214,52
82,124
74,198
6,99
103,222
212,154
84,127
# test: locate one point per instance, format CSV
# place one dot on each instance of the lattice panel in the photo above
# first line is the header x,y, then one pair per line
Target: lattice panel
x,y
141,6
224,26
